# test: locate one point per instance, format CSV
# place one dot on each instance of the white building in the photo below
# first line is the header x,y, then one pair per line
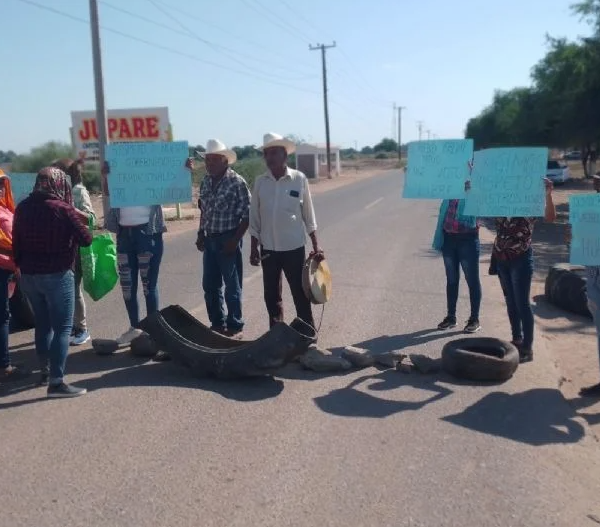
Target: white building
x,y
311,159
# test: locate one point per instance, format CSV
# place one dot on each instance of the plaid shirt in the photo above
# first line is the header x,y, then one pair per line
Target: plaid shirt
x,y
451,223
224,206
47,234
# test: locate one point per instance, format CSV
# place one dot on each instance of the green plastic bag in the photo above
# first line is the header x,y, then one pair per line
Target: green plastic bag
x,y
99,265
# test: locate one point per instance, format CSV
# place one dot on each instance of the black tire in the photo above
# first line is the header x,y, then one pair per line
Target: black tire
x,y
21,311
568,292
280,345
480,359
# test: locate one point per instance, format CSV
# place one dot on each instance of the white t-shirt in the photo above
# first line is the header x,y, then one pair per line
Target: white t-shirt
x,y
133,216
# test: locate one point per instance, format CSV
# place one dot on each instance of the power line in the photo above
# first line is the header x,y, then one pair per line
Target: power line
x,y
190,34
188,55
286,26
297,13
257,76
233,35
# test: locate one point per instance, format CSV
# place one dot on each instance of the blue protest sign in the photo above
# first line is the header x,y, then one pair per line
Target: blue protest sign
x,y
144,174
508,182
584,216
22,184
437,169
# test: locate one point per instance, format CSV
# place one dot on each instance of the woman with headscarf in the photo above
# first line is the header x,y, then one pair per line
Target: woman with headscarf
x,y
8,372
47,233
82,202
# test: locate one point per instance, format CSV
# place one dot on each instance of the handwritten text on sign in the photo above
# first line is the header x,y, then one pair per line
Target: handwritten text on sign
x,y
438,169
508,182
148,174
584,216
21,184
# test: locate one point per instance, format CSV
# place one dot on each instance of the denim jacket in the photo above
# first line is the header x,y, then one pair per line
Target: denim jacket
x,y
470,221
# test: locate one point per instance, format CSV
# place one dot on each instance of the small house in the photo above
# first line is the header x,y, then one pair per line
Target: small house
x,y
311,159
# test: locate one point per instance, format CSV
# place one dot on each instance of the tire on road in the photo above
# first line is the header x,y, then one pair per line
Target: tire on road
x,y
566,288
20,310
280,345
480,359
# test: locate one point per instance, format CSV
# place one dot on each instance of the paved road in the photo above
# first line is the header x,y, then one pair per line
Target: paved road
x,y
148,446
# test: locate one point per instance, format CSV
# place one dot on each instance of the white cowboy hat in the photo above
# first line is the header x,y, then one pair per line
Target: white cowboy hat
x,y
271,139
214,146
316,280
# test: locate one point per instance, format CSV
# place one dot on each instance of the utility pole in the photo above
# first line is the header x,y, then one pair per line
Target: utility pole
x,y
428,134
420,127
394,129
323,47
400,108
99,88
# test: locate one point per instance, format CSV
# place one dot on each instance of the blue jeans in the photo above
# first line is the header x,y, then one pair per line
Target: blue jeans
x,y
593,294
139,254
52,298
462,250
4,318
515,279
220,270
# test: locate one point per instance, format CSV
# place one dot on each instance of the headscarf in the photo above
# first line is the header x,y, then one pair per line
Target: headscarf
x,y
8,200
70,167
53,182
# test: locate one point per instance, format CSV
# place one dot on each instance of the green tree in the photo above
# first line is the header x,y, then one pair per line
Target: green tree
x,y
42,156
561,108
7,157
386,145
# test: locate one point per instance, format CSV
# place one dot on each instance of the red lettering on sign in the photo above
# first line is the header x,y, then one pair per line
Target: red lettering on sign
x,y
152,127
124,130
88,130
112,127
138,126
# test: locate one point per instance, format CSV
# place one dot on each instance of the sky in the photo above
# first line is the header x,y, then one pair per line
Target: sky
x,y
236,69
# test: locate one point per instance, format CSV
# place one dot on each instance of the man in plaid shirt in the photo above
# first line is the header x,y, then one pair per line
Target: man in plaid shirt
x,y
224,215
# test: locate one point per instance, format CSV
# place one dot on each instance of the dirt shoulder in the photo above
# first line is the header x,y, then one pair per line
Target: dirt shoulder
x,y
351,173
570,339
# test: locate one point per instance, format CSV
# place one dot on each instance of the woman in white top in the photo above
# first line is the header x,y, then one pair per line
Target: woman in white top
x,y
140,248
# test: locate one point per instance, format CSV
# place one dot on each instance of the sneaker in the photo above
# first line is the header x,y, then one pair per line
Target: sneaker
x,y
128,336
13,374
590,391
472,326
447,323
525,355
236,334
219,329
64,391
80,337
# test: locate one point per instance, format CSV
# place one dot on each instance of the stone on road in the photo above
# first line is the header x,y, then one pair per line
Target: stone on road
x,y
151,446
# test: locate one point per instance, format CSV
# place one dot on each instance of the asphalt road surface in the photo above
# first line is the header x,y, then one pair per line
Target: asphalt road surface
x,y
150,446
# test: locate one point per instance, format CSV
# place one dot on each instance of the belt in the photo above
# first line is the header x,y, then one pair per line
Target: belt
x,y
216,234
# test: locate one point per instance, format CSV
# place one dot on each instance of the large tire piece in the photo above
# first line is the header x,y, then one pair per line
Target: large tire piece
x,y
193,330
21,311
480,359
280,345
566,288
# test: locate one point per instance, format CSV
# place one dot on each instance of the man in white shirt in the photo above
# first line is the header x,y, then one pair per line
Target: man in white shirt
x,y
281,213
